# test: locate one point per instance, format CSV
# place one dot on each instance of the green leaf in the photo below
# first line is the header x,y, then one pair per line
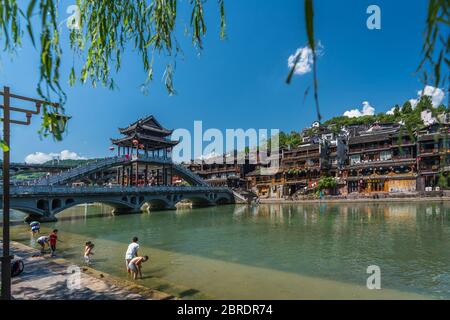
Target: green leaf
x,y
4,146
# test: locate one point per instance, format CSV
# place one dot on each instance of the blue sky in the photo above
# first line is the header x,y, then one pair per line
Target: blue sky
x,y
240,82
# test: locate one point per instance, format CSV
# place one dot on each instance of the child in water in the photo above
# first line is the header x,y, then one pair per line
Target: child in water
x,y
53,237
35,227
88,252
42,241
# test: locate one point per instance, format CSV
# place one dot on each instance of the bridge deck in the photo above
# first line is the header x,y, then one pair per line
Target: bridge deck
x,y
25,191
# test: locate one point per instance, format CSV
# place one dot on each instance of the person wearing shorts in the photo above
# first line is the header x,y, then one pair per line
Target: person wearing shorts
x,y
135,266
35,227
131,253
42,241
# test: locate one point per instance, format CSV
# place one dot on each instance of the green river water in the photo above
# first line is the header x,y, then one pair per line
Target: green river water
x,y
277,251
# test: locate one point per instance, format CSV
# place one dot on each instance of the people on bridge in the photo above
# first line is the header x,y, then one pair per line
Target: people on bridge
x,y
35,227
88,252
135,266
42,241
132,252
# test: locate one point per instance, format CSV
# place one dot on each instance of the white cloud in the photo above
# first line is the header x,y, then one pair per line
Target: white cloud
x,y
41,157
367,110
413,102
391,112
305,56
437,95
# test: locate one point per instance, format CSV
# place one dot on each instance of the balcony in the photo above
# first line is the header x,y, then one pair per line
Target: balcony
x,y
301,156
429,168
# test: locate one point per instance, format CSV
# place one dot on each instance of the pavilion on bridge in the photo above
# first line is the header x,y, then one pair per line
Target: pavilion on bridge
x,y
143,139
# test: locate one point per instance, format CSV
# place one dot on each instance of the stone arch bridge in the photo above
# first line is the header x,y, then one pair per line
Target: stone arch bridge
x,y
43,203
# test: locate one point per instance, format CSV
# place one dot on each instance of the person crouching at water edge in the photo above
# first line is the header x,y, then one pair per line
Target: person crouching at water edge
x,y
132,252
42,241
88,252
53,238
135,266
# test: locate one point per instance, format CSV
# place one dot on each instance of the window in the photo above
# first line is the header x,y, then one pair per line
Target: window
x,y
385,155
354,159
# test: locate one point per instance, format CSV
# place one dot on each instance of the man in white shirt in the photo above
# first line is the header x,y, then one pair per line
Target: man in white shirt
x,y
132,252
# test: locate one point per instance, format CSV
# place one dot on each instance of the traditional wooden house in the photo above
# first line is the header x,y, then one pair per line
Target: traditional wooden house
x,y
226,170
433,157
142,139
381,159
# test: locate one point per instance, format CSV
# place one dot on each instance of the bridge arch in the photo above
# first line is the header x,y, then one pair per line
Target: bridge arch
x,y
29,210
200,200
42,204
159,203
117,204
224,200
56,203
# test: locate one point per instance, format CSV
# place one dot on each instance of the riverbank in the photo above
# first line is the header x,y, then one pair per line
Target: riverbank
x,y
354,200
47,278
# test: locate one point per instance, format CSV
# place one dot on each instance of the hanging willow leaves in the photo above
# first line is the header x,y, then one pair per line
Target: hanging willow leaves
x,y
309,27
436,46
100,32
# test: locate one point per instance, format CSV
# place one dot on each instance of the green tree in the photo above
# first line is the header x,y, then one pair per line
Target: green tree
x,y
407,108
326,183
397,113
424,104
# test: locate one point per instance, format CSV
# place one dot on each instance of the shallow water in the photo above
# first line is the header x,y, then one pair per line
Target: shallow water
x,y
280,251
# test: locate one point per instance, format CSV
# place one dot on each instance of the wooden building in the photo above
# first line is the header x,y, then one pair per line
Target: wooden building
x,y
141,140
381,159
433,157
227,170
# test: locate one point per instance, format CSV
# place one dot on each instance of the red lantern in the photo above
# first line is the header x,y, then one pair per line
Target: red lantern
x,y
141,146
135,142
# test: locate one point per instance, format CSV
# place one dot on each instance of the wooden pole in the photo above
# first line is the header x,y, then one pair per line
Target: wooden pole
x,y
6,259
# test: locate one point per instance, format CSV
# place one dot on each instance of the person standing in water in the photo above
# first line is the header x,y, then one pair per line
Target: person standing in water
x,y
35,227
53,238
88,252
42,241
135,266
132,252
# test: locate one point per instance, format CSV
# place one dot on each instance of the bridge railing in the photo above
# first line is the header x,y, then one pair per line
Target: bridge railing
x,y
191,174
59,190
95,165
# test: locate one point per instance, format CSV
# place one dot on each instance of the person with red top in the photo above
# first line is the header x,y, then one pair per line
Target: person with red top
x,y
52,238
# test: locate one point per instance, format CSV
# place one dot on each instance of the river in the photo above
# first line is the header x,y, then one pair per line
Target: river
x,y
271,251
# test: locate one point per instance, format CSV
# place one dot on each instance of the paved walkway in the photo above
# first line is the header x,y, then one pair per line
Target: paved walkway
x,y
50,279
